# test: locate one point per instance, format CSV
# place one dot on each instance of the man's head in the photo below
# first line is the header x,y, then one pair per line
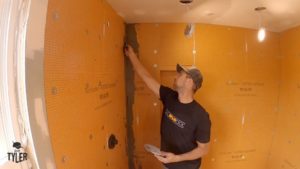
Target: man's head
x,y
188,78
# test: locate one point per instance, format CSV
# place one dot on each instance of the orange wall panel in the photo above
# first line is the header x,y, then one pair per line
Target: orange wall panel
x,y
240,90
84,84
285,149
250,89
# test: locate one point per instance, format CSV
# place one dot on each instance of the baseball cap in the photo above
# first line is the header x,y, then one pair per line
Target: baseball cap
x,y
194,72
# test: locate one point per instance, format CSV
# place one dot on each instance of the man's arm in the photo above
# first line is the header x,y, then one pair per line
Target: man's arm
x,y
141,71
198,152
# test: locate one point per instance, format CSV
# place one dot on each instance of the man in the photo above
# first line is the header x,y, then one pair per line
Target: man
x,y
185,125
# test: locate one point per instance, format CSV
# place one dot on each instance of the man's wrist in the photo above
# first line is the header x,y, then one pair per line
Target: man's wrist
x,y
179,157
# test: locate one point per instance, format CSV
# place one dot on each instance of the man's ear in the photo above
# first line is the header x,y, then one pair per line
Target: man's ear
x,y
191,82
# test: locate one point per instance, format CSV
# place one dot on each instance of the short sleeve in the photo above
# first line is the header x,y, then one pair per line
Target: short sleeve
x,y
203,129
164,92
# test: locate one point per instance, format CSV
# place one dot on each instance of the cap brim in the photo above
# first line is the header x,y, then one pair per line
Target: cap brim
x,y
180,68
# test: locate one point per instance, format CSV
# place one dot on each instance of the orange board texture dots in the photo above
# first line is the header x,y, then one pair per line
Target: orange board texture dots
x,y
84,84
240,90
251,90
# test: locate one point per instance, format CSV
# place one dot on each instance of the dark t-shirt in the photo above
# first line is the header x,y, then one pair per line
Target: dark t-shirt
x,y
182,124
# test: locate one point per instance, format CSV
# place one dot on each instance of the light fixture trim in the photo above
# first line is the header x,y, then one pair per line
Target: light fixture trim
x,y
260,8
185,1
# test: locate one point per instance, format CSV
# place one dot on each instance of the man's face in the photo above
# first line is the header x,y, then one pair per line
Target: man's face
x,y
180,80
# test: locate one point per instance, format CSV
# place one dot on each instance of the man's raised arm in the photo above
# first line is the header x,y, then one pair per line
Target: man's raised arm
x,y
141,71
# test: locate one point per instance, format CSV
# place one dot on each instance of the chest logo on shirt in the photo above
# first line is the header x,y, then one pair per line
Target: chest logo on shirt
x,y
174,119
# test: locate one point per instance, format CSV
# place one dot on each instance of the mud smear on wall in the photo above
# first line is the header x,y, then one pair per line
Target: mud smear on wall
x,y
131,39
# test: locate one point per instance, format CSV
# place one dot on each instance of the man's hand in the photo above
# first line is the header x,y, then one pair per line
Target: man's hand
x,y
141,71
128,50
196,153
167,157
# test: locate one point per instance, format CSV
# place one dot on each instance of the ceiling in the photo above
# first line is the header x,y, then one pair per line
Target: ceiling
x,y
280,15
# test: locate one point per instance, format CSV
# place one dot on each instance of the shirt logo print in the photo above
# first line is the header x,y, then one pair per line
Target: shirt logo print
x,y
174,119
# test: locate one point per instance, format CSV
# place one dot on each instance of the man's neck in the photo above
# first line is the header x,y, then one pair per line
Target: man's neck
x,y
185,96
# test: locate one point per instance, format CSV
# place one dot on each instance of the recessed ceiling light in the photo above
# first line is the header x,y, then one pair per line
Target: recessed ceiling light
x,y
260,8
185,1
